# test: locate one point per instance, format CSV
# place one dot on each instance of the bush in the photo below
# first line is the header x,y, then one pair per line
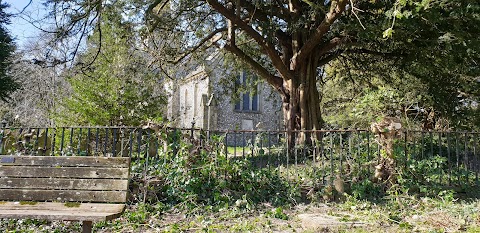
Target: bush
x,y
192,174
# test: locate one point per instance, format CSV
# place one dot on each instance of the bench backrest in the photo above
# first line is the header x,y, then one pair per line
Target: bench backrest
x,y
64,179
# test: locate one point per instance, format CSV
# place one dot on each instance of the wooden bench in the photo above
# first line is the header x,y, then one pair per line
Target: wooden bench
x,y
68,188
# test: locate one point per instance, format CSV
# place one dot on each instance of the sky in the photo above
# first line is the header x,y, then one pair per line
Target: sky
x,y
20,28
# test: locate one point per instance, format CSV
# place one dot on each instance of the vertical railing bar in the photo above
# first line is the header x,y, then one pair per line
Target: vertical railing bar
x,y
332,166
350,139
279,152
139,142
157,144
252,138
431,143
226,147
97,140
45,141
269,149
36,141
415,149
477,162
62,141
130,143
54,135
79,146
405,141
288,153
305,149
423,144
122,140
145,168
2,132
368,150
88,140
71,139
440,153
244,144
261,148
314,152
17,138
465,158
295,151
457,153
358,153
314,143
234,144
114,142
340,135
322,151
449,159
106,142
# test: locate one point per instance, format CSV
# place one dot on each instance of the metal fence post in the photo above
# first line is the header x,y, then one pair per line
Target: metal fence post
x,y
4,125
192,129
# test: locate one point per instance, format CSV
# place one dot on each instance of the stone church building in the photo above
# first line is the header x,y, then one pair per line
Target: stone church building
x,y
200,98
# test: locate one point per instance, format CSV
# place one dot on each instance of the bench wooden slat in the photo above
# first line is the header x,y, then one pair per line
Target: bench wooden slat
x,y
63,183
66,215
58,206
64,172
35,187
63,195
71,161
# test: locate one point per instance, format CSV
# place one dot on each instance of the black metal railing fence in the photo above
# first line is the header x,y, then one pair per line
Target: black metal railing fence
x,y
433,157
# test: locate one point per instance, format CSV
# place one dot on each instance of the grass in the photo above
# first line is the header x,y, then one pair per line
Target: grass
x,y
205,192
239,150
402,213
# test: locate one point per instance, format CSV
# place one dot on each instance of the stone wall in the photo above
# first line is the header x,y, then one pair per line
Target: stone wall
x,y
189,98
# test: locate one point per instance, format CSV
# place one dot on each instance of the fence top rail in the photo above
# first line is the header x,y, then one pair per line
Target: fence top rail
x,y
232,131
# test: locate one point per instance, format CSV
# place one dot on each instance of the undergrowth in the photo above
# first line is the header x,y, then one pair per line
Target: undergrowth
x,y
190,185
198,176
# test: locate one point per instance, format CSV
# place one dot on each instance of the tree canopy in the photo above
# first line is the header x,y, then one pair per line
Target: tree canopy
x,y
116,88
287,43
7,47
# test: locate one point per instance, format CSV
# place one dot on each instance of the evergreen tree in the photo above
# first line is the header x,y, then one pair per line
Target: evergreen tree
x,y
287,42
7,47
117,88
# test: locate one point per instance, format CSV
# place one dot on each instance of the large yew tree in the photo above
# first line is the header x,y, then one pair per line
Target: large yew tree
x,y
287,42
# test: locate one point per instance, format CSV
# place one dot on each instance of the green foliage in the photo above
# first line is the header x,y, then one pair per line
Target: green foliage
x,y
7,47
430,60
117,88
277,213
200,176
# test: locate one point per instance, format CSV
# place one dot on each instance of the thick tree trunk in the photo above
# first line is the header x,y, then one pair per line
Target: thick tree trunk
x,y
301,105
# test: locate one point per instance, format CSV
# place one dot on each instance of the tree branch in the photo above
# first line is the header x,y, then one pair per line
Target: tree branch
x,y
277,11
269,48
202,42
326,59
376,53
337,7
273,80
331,44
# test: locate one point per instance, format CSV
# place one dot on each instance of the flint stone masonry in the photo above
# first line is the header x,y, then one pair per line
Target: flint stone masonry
x,y
189,98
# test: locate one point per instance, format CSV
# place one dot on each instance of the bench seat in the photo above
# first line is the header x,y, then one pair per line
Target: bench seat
x,y
61,211
71,188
